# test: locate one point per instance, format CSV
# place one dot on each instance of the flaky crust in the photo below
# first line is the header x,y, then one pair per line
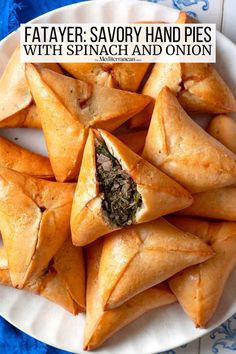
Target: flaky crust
x,y
160,194
34,222
101,325
223,128
136,258
118,75
22,160
217,204
183,150
199,288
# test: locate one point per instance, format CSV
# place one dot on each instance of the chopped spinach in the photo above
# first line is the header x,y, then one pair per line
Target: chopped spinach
x,y
121,198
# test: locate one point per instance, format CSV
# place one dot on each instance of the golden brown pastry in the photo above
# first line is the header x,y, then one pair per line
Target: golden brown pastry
x,y
22,160
136,258
217,204
15,96
34,222
184,151
101,325
124,76
67,107
134,140
116,188
27,118
223,128
198,87
199,288
62,282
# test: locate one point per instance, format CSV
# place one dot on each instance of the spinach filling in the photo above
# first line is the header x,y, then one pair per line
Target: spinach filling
x,y
121,198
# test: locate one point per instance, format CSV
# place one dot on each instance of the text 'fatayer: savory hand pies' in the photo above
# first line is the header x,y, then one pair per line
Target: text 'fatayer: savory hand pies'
x,y
117,188
67,107
199,288
62,281
183,150
136,258
100,324
34,222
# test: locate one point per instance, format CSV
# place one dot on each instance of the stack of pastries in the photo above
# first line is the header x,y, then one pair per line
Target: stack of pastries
x,y
102,199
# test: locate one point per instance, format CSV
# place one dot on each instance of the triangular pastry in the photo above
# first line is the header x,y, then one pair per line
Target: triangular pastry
x,y
134,140
101,325
67,291
116,188
123,76
223,128
34,222
199,288
15,95
67,107
198,86
136,258
217,204
183,150
22,160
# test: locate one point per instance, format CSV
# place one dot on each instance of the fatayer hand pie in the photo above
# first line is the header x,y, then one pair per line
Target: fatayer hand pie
x,y
15,95
183,150
134,140
223,128
67,107
100,325
124,76
199,288
217,204
27,118
135,258
22,160
62,281
117,188
34,222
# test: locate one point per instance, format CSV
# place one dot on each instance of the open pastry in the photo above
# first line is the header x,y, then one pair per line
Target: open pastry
x,y
22,160
136,258
67,107
62,281
15,95
124,76
34,222
184,151
100,325
134,140
198,87
117,188
223,128
217,204
199,288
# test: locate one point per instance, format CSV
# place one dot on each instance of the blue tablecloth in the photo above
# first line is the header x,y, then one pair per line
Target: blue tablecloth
x,y
12,13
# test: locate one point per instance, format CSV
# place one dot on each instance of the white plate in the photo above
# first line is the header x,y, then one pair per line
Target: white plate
x,y
158,330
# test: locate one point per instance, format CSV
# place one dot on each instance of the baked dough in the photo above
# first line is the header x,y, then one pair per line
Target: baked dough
x,y
101,325
34,222
199,288
22,160
184,151
67,107
223,128
160,194
217,204
136,258
63,281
